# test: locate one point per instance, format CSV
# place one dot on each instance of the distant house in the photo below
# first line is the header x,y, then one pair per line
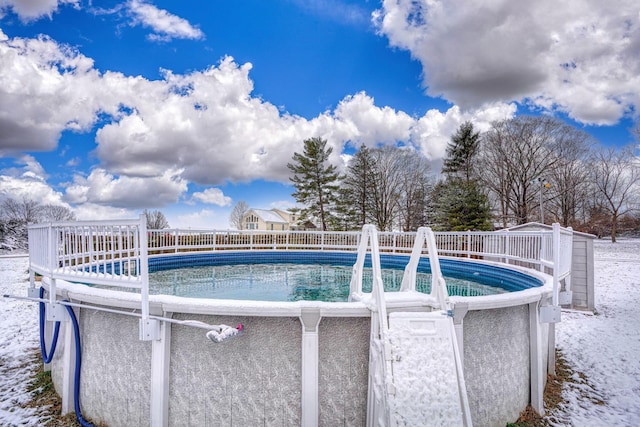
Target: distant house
x,y
263,219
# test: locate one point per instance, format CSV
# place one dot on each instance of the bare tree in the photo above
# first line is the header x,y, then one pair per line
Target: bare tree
x,y
26,211
416,185
515,155
568,185
57,213
155,220
237,214
615,175
386,189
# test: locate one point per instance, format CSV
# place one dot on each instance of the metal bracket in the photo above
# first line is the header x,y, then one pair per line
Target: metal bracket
x,y
56,312
149,329
565,298
550,314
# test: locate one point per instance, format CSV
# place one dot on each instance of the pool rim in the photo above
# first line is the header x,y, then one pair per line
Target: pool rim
x,y
162,304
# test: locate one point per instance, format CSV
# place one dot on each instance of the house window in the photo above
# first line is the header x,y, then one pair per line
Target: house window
x,y
271,227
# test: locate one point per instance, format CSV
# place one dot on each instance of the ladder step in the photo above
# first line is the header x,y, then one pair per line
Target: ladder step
x,y
425,371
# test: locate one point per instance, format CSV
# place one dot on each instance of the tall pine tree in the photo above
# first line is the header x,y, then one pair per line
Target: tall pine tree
x,y
460,203
355,191
315,181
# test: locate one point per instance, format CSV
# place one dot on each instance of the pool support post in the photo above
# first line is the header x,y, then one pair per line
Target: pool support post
x,y
310,319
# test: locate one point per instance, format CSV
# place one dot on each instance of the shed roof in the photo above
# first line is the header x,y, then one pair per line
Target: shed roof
x,y
538,226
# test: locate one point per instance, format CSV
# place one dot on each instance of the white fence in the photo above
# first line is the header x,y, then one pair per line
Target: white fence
x,y
115,253
533,249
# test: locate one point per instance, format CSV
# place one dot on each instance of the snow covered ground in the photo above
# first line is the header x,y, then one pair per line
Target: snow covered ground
x,y
604,347
18,339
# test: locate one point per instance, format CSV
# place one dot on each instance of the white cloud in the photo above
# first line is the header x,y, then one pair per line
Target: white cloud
x,y
213,196
30,10
45,88
206,219
102,188
371,125
28,187
578,56
165,25
206,127
93,212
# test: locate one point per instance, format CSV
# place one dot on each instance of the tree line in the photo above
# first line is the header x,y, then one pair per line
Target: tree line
x,y
520,170
17,214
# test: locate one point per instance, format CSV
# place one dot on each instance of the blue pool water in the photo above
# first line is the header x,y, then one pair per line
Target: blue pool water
x,y
289,282
325,276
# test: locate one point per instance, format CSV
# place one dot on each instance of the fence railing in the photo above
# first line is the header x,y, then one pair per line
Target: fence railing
x,y
115,253
531,249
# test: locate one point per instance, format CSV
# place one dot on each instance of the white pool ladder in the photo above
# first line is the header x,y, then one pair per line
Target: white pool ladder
x,y
415,368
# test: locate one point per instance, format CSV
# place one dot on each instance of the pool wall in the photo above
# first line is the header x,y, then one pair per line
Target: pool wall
x,y
263,377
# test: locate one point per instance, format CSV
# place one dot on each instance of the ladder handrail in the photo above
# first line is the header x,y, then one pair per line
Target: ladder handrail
x,y
426,236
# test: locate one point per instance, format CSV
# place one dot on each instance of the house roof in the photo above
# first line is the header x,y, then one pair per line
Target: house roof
x,y
269,216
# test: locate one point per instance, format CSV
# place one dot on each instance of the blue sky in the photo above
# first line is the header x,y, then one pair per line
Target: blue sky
x,y
189,107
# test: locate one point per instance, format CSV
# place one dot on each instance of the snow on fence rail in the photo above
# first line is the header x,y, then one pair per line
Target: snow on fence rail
x,y
115,253
526,248
111,252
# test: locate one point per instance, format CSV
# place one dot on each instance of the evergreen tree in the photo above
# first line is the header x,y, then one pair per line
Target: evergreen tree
x,y
356,190
315,181
461,153
460,203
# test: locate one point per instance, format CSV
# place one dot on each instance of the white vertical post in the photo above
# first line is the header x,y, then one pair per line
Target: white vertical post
x,y
507,246
459,311
556,262
53,262
68,365
149,328
160,362
310,319
535,355
143,267
175,242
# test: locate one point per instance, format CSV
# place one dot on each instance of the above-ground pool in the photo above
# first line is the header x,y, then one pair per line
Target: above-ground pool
x,y
264,377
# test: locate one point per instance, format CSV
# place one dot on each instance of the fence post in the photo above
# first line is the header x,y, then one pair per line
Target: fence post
x,y
507,247
149,328
175,241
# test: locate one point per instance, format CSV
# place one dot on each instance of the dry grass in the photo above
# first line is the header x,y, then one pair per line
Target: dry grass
x,y
552,395
45,398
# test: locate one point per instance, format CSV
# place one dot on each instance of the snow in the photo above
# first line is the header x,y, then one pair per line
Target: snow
x,y
18,340
603,349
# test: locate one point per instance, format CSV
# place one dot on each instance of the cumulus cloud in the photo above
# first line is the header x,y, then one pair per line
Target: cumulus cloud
x,y
213,196
94,211
30,188
45,88
165,25
103,188
153,137
581,57
30,10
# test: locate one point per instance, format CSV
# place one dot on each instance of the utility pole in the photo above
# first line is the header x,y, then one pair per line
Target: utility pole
x,y
541,184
